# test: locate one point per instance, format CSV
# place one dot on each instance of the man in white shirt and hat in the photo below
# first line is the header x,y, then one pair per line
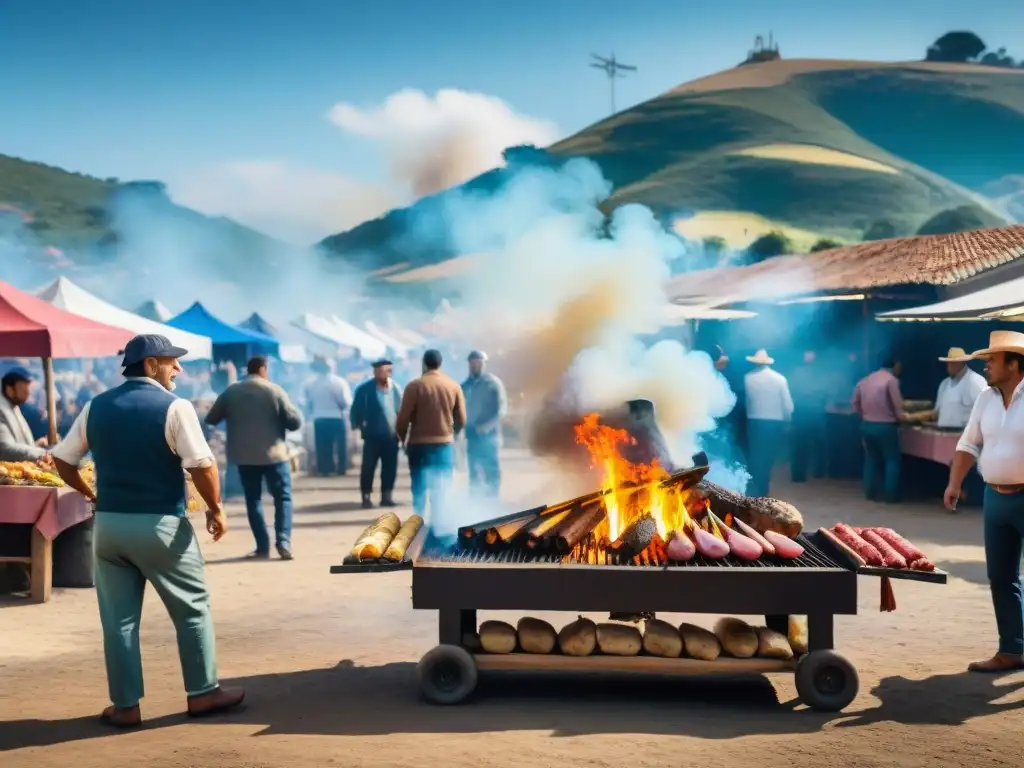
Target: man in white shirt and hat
x,y
958,390
994,437
769,410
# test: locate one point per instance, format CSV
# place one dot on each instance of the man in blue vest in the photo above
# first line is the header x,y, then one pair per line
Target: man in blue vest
x,y
141,437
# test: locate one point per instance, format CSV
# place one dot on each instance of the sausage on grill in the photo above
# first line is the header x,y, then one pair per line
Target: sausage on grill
x,y
909,551
890,557
868,553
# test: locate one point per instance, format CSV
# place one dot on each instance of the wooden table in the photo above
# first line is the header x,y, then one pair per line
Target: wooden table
x,y
50,511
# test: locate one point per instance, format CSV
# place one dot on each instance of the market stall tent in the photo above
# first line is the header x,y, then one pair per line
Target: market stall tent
x,y
400,347
154,310
987,303
66,295
31,327
229,341
290,350
340,333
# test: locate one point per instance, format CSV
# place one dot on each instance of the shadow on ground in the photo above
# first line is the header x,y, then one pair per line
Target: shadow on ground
x,y
349,700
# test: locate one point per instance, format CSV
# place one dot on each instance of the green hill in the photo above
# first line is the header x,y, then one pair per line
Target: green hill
x,y
55,220
814,148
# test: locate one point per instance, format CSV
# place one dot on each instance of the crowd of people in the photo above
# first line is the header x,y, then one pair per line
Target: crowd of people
x,y
141,437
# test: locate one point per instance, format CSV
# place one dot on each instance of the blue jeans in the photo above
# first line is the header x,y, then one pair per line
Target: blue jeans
x,y
1003,516
484,465
764,437
279,483
431,466
331,440
881,451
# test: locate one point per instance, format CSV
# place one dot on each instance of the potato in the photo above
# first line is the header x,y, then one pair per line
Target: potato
x,y
737,637
536,636
798,634
497,637
662,639
471,642
772,644
578,638
699,642
619,640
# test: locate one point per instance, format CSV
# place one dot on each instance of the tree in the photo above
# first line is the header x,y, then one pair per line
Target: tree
x,y
998,59
956,46
773,243
962,219
825,244
714,245
882,229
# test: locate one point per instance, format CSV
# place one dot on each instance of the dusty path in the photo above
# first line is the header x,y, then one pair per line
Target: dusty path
x,y
328,662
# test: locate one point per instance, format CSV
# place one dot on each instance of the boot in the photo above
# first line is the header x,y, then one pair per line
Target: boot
x,y
367,501
386,500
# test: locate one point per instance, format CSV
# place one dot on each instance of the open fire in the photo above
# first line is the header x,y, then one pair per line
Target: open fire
x,y
642,514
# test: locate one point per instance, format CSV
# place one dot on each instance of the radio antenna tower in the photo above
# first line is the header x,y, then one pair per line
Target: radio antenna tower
x,y
613,69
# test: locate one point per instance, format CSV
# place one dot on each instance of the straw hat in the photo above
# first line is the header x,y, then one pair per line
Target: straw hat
x,y
956,355
761,358
1003,341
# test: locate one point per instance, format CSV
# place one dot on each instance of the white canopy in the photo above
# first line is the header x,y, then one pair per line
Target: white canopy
x,y
400,347
340,333
296,354
154,310
985,303
676,314
64,294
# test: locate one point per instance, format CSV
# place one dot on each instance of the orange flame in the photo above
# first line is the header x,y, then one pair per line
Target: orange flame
x,y
633,489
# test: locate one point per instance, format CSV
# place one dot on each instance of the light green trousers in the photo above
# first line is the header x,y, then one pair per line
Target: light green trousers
x,y
132,549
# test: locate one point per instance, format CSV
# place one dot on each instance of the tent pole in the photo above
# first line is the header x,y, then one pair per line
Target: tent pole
x,y
51,400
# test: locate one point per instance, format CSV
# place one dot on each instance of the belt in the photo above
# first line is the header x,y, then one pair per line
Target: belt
x,y
1007,489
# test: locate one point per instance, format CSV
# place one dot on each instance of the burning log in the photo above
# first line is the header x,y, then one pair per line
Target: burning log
x,y
504,533
536,532
470,533
686,479
579,524
761,514
635,538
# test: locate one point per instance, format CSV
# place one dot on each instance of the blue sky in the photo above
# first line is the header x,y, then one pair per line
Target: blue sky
x,y
169,90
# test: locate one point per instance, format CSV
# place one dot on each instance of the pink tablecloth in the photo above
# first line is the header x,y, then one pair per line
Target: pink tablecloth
x,y
929,444
51,510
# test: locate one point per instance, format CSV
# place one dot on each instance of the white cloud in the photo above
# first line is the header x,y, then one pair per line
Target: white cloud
x,y
429,143
434,142
294,203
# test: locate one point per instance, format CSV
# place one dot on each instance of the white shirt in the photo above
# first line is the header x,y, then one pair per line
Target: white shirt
x,y
768,395
183,433
956,397
328,396
995,436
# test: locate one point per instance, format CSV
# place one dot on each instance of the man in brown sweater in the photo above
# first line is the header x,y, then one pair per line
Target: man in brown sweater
x,y
433,411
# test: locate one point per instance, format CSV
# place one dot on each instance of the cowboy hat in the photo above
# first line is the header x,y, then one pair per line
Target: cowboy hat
x,y
956,355
761,358
1003,341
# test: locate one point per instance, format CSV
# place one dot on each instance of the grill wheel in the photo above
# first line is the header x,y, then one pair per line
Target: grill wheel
x,y
447,674
826,681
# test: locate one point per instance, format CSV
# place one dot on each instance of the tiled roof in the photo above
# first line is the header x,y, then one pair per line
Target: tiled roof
x,y
929,260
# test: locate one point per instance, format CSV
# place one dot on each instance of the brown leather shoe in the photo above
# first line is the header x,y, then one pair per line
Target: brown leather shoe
x,y
1001,662
215,702
127,717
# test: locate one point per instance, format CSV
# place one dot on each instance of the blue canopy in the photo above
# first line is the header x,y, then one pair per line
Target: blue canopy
x,y
230,342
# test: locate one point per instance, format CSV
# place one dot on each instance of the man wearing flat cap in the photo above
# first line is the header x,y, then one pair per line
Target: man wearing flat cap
x,y
374,413
16,442
486,406
141,438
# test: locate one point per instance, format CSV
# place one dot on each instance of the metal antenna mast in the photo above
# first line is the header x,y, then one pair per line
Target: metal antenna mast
x,y
613,69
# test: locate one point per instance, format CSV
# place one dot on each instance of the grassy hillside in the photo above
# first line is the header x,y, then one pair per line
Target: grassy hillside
x,y
52,219
815,148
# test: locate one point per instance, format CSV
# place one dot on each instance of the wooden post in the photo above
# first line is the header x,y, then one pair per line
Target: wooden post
x,y
41,567
51,400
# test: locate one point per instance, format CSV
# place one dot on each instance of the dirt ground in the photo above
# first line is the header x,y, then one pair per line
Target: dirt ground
x,y
329,666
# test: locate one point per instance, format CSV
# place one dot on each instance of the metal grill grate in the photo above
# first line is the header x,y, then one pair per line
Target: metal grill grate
x,y
811,558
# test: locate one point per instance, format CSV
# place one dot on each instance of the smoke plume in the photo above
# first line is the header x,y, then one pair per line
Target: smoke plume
x,y
568,296
434,142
